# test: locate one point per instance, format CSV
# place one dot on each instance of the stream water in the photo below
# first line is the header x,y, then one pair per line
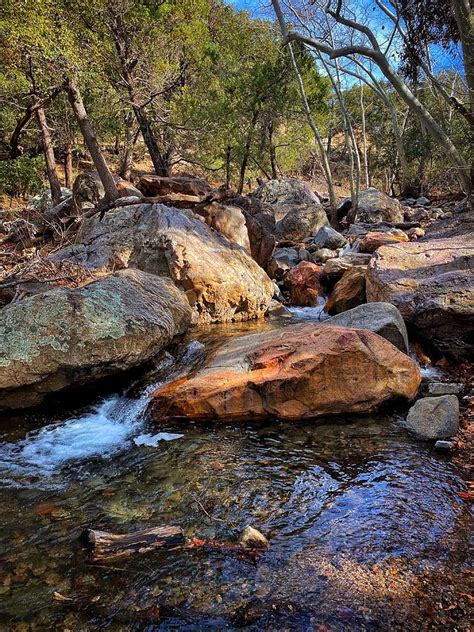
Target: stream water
x,y
362,520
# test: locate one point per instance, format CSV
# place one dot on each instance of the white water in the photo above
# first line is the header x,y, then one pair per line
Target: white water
x,y
115,424
311,313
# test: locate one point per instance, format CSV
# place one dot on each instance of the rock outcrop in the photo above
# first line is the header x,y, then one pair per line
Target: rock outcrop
x,y
222,282
432,284
69,337
299,372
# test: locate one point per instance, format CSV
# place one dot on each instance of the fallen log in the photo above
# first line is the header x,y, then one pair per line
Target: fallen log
x,y
104,546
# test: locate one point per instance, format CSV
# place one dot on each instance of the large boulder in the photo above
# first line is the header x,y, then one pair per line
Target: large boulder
x,y
88,190
300,222
299,372
375,207
69,337
434,417
432,284
179,191
284,194
222,282
375,239
382,318
348,292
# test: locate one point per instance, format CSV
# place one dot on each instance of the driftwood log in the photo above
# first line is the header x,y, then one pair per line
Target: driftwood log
x,y
103,546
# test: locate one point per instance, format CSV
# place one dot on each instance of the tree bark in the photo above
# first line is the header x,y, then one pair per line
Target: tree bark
x,y
75,99
364,137
49,156
127,156
68,177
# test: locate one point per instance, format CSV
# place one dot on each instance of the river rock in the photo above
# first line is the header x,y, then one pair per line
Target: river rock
x,y
444,388
222,282
284,194
327,237
180,191
432,284
283,260
375,207
323,254
260,222
434,418
335,268
229,220
348,292
304,284
298,372
382,318
300,222
69,337
374,240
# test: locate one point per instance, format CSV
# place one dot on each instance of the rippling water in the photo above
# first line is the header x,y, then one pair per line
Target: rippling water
x,y
344,505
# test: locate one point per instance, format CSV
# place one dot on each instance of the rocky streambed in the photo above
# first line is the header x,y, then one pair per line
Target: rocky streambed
x,y
301,424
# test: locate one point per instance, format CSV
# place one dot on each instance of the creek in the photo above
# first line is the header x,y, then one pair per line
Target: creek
x,y
359,516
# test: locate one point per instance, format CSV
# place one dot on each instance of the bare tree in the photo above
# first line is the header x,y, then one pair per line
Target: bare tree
x,y
371,49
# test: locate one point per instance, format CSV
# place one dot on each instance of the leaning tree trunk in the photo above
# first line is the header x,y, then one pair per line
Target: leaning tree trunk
x,y
106,177
49,156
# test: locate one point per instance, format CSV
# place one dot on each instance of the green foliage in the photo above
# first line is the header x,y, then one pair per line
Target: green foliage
x,y
22,177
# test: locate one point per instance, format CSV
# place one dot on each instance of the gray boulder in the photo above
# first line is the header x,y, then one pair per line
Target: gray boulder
x,y
382,318
283,259
300,222
69,337
285,193
375,207
222,282
327,237
433,418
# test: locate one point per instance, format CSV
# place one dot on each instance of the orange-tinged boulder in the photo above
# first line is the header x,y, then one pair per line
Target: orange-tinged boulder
x,y
376,239
304,283
297,372
348,292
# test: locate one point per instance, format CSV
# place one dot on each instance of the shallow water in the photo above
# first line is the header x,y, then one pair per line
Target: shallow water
x,y
356,512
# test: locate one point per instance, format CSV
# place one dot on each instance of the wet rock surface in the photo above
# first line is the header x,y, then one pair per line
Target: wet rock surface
x,y
299,372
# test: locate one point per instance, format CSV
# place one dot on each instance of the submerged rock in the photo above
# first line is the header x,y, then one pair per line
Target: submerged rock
x,y
432,284
299,372
69,337
434,417
382,318
222,282
252,539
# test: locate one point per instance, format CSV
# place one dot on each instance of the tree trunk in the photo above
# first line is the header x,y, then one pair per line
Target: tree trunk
x,y
364,137
127,157
245,159
227,167
49,156
317,137
273,158
75,99
68,177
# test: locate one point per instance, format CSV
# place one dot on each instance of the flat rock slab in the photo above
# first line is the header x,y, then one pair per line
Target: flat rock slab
x,y
299,372
432,284
69,337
